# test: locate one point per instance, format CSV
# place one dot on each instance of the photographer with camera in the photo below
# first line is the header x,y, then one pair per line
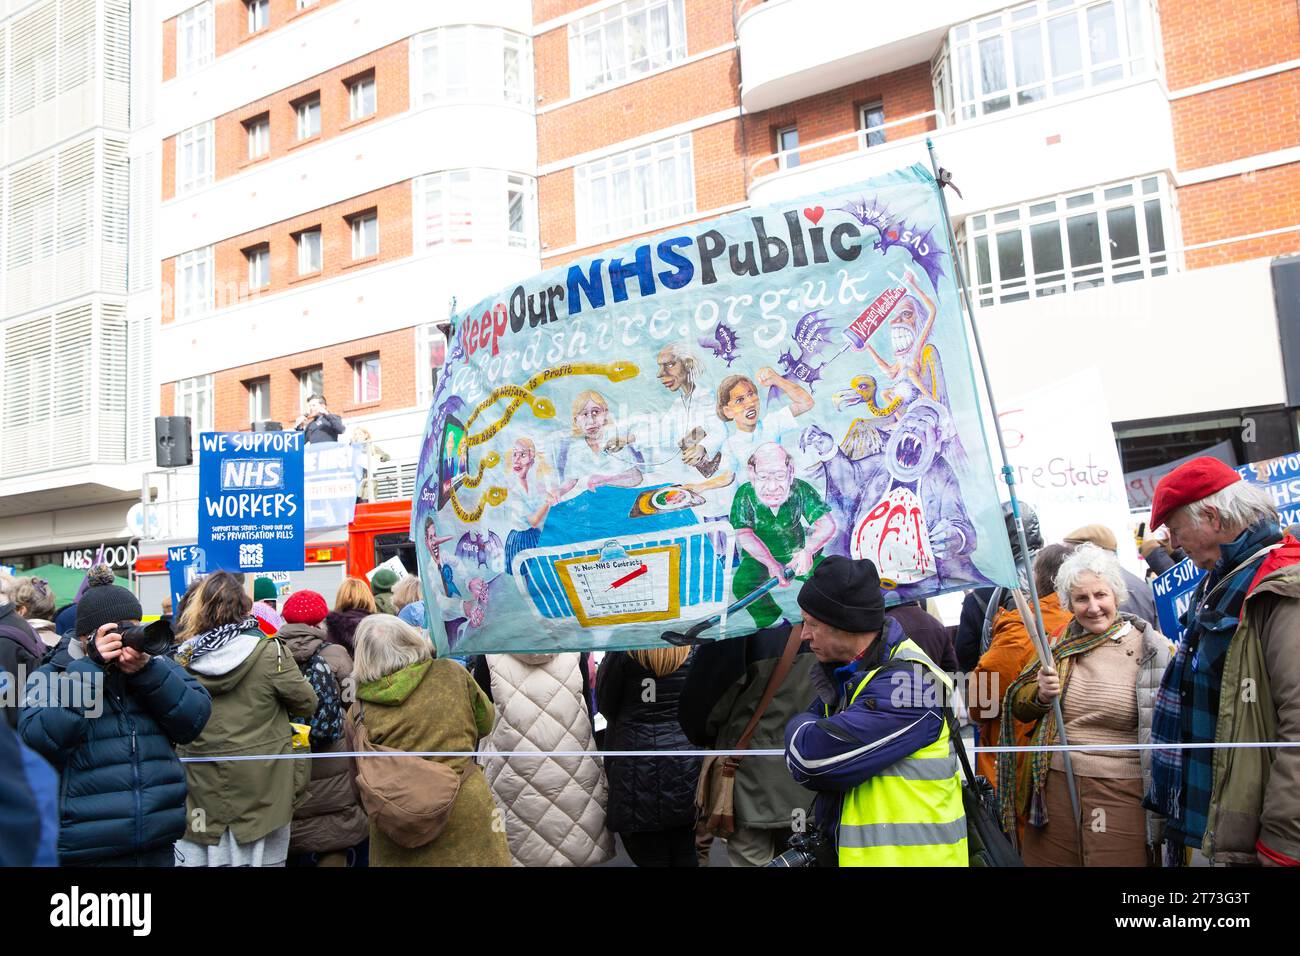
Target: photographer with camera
x,y
319,423
875,744
107,709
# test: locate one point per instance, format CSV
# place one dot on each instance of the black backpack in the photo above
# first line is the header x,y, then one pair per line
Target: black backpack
x,y
327,722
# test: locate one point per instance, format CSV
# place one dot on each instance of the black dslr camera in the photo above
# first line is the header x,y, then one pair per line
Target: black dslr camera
x,y
154,638
813,848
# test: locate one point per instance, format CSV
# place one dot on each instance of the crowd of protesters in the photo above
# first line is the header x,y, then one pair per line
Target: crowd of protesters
x,y
116,752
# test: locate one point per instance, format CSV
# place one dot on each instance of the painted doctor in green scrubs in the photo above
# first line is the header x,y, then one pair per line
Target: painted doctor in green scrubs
x,y
780,521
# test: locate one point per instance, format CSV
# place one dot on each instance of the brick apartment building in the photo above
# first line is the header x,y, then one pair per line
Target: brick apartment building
x,y
331,175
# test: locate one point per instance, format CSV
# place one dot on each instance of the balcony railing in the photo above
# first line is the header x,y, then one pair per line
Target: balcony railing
x,y
914,129
999,159
1073,278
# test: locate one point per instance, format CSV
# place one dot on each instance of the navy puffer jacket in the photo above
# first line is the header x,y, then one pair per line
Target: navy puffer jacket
x,y
122,789
645,794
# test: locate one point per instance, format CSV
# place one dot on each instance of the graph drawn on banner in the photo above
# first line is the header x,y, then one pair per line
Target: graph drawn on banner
x,y
623,587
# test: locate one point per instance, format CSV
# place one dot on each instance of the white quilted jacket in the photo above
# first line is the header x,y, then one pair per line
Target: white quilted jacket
x,y
554,807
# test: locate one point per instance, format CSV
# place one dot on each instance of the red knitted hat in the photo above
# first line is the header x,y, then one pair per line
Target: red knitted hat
x,y
305,607
1188,483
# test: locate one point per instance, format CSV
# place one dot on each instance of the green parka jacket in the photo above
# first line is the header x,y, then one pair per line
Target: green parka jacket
x,y
1255,794
255,684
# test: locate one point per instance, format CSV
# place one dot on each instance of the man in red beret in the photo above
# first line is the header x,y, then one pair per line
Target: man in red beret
x,y
1235,677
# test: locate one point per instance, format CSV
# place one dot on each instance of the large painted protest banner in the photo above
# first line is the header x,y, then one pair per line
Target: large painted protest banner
x,y
686,425
251,509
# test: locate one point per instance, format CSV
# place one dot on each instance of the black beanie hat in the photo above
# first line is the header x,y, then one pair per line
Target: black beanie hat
x,y
845,594
103,602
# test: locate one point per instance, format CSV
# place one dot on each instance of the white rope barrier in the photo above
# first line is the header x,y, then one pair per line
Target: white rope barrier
x,y
543,754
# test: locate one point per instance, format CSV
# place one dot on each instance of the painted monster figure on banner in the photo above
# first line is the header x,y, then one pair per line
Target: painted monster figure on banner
x,y
686,425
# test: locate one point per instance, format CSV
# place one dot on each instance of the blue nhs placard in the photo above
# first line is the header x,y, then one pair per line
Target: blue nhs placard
x,y
251,501
186,563
1174,591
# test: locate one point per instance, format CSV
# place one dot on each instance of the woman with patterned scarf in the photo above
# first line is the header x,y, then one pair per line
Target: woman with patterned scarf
x,y
239,811
1107,669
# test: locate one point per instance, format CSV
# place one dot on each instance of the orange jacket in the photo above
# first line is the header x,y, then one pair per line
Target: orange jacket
x,y
1009,652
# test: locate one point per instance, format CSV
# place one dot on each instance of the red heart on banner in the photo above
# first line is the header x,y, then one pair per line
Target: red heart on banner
x,y
814,214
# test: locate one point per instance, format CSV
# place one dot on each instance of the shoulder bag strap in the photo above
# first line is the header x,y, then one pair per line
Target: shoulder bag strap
x,y
358,736
779,674
954,734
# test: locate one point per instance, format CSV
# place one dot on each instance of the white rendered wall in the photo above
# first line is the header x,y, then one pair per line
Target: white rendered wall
x,y
390,296
312,44
1009,157
1180,344
371,157
790,49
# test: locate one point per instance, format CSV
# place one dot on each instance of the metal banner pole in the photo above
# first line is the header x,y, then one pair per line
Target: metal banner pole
x,y
943,177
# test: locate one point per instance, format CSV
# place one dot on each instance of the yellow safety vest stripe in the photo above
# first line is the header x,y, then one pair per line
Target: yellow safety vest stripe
x,y
911,813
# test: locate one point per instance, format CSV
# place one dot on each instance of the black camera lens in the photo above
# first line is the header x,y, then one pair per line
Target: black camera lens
x,y
154,638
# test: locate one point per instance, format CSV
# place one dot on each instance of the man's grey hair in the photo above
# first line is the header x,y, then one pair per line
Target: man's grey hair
x,y
7,584
1240,505
679,351
1090,559
385,645
789,459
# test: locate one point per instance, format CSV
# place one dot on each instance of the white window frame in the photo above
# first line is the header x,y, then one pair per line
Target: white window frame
x,y
475,205
258,132
362,92
194,400
194,284
1020,218
521,189
305,4
259,399
259,267
994,39
305,388
787,160
601,51
453,64
259,15
304,246
359,394
613,177
870,133
302,112
195,157
195,38
365,234
425,338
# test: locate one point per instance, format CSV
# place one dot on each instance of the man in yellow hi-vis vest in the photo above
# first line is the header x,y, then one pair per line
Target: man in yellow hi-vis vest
x,y
875,744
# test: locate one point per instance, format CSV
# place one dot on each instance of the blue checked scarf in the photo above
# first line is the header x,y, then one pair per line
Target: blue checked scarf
x,y
1181,779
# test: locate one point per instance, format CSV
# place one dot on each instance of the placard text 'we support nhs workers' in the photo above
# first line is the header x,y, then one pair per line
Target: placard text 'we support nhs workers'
x,y
251,500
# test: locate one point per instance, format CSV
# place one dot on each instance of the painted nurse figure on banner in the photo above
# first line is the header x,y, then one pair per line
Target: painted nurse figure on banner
x,y
684,426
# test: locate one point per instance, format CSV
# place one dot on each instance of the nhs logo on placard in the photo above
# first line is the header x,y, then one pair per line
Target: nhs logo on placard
x,y
239,474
